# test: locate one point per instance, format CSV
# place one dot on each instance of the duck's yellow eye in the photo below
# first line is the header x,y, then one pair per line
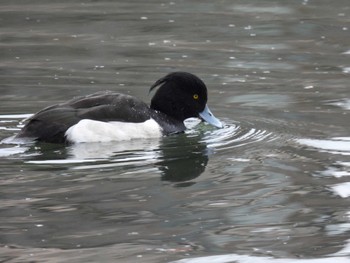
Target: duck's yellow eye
x,y
195,96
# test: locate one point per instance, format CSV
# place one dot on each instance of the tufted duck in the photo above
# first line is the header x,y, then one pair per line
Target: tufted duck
x,y
111,116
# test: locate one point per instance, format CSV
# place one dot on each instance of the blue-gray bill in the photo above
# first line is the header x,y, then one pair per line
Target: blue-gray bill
x,y
209,117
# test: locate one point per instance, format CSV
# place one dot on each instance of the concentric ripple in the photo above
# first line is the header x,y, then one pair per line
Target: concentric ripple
x,y
233,136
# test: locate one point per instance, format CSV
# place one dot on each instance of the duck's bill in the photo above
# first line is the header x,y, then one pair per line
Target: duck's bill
x,y
209,117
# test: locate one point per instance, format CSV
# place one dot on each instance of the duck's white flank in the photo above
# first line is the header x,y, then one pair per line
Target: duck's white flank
x,y
98,131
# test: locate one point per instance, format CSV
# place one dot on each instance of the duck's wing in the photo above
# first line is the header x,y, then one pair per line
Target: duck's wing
x,y
51,123
111,107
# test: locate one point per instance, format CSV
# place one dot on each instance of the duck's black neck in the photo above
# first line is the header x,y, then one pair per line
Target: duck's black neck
x,y
170,125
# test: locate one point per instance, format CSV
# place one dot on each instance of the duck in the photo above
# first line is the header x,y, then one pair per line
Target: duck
x,y
111,116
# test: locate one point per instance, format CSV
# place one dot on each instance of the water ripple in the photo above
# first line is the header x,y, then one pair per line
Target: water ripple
x,y
235,135
337,145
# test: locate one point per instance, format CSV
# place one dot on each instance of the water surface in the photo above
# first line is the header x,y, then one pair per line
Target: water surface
x,y
272,186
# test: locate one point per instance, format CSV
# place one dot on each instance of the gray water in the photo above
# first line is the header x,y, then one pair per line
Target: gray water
x,y
272,186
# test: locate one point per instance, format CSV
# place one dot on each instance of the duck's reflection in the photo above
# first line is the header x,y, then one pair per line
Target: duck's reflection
x,y
183,158
179,158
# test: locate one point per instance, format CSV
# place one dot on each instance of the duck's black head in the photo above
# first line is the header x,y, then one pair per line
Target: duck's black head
x,y
182,95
